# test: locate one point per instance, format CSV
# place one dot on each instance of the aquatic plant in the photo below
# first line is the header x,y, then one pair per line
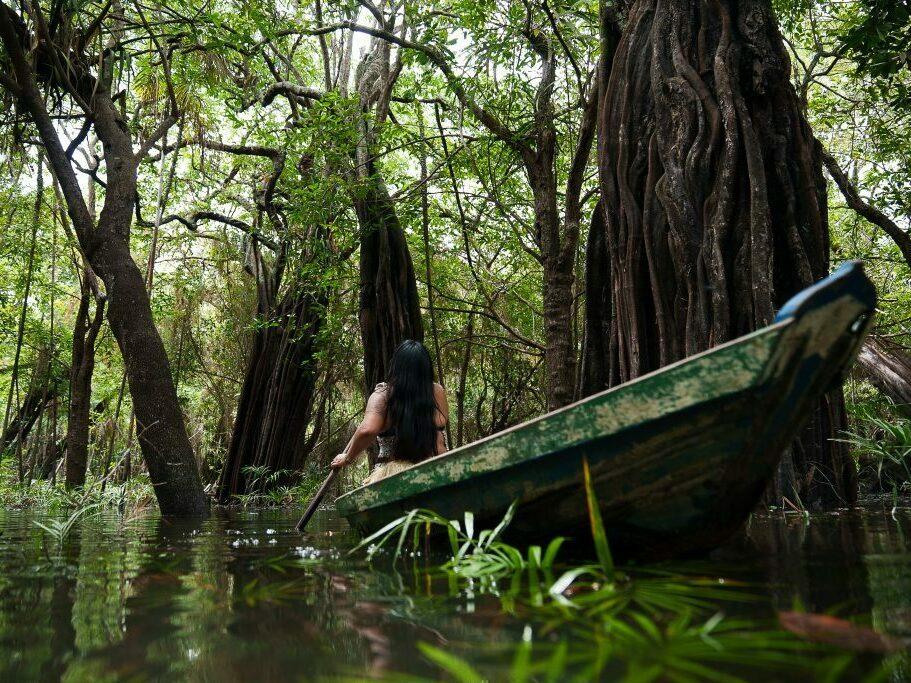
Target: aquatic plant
x,y
639,648
641,625
884,445
59,529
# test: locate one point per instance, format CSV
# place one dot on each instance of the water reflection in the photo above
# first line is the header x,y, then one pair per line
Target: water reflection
x,y
242,597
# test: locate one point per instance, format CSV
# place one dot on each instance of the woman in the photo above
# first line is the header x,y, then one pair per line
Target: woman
x,y
406,414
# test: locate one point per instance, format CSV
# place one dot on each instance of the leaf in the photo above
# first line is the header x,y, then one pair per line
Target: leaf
x,y
567,579
550,555
521,663
507,518
824,628
602,549
454,666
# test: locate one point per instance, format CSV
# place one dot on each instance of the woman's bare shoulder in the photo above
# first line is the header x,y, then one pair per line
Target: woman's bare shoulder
x,y
439,395
377,400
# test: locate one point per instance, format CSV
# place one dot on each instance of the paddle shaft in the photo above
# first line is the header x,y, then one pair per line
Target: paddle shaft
x,y
302,524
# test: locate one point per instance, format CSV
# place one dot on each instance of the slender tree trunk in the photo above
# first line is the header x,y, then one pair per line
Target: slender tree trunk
x,y
557,285
463,381
428,265
715,204
20,331
85,333
41,390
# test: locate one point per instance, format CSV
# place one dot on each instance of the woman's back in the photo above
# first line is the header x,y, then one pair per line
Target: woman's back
x,y
386,439
406,415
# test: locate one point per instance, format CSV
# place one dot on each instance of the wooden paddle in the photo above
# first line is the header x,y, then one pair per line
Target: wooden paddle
x,y
302,524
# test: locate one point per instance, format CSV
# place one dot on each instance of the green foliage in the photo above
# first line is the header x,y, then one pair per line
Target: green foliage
x,y
60,529
883,445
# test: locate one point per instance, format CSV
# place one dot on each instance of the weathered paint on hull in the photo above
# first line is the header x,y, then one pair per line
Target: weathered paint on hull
x,y
679,458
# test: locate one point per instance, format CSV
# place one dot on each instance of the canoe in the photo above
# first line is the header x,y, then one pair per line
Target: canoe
x,y
679,457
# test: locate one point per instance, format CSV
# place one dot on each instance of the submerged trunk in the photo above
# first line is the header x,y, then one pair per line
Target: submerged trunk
x,y
715,205
85,332
277,398
390,309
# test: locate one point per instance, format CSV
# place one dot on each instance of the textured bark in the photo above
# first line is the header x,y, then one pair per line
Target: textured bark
x,y
277,398
106,244
888,367
85,333
390,309
598,372
715,203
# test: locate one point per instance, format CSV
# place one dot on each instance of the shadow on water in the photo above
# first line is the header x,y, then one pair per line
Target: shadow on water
x,y
242,597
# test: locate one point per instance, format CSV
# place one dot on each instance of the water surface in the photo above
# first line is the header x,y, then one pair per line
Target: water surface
x,y
242,597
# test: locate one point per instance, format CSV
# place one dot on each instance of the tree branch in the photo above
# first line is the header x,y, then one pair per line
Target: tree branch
x,y
289,90
901,238
192,223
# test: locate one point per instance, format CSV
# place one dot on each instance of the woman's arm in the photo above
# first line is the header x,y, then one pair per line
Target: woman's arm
x,y
366,432
441,418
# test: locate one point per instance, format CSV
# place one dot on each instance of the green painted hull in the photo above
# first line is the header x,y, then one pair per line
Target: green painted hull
x,y
679,458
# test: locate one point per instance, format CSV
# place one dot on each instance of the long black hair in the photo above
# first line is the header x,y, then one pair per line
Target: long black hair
x,y
411,407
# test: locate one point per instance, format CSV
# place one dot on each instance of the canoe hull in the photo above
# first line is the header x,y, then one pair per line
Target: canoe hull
x,y
679,458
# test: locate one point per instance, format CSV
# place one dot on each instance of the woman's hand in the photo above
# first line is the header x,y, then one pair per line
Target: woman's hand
x,y
339,461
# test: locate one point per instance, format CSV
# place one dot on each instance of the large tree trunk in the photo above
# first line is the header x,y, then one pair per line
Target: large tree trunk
x,y
85,332
715,204
888,367
277,398
390,310
599,371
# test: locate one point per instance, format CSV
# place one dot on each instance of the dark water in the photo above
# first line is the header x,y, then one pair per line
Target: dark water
x,y
242,597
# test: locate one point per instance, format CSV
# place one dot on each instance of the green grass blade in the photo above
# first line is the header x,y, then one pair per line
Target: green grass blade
x,y
458,668
602,549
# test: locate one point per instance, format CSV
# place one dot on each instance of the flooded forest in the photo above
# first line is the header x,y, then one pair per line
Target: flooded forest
x,y
643,266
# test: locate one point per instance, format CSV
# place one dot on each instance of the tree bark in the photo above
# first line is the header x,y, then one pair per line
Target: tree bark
x,y
715,203
277,397
598,370
41,391
85,333
389,310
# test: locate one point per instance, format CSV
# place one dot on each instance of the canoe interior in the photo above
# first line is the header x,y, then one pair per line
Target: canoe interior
x,y
679,457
